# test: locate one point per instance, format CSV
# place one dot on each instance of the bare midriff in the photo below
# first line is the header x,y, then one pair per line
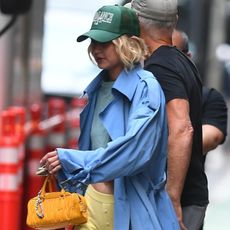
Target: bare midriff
x,y
105,187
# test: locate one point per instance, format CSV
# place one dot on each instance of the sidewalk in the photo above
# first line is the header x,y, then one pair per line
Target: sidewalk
x,y
218,172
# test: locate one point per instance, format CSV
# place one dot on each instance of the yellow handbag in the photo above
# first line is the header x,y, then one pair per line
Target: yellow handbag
x,y
54,210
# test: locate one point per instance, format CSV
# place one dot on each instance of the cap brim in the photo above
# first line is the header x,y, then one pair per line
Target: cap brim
x,y
98,35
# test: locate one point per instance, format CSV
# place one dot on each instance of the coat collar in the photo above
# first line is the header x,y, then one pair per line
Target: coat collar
x,y
125,83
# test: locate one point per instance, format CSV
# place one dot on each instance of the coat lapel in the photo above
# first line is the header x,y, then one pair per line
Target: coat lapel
x,y
117,127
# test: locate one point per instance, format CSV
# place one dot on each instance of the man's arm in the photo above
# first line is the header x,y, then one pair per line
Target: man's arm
x,y
212,137
179,148
214,119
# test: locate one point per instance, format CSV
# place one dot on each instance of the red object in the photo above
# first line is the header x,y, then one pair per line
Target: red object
x,y
19,123
69,228
9,184
19,133
77,104
35,151
57,135
74,133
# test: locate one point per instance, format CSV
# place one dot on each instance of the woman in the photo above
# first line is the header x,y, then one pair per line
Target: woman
x,y
122,146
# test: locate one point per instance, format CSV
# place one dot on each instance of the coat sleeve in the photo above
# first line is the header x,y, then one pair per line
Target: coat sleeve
x,y
126,155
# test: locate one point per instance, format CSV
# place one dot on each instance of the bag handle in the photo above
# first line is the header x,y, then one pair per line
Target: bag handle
x,y
38,204
48,182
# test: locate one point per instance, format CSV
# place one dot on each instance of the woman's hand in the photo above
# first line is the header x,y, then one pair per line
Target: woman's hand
x,y
51,162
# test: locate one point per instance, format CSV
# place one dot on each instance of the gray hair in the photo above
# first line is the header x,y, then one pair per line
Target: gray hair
x,y
151,26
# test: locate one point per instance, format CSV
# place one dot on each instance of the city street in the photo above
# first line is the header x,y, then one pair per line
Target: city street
x,y
218,172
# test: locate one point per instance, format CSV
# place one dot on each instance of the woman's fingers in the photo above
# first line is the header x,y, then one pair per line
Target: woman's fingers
x,y
51,162
55,169
48,155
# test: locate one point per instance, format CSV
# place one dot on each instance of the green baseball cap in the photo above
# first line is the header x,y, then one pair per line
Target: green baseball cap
x,y
111,22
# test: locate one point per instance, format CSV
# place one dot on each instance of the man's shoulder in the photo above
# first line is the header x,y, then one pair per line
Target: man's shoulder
x,y
168,59
212,94
168,55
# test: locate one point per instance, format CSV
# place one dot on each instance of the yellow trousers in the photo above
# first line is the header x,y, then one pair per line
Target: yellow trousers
x,y
100,209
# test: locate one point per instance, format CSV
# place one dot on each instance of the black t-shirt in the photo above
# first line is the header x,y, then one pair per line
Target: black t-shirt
x,y
179,78
214,109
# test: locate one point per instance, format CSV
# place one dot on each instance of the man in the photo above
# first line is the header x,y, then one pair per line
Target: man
x,y
179,79
214,119
214,108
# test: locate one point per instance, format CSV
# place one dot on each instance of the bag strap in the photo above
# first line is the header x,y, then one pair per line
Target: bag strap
x,y
38,204
43,189
49,181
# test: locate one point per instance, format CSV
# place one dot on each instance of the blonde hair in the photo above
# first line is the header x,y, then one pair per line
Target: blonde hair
x,y
131,50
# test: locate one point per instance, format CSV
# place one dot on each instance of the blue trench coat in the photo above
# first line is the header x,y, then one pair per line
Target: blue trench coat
x,y
136,156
